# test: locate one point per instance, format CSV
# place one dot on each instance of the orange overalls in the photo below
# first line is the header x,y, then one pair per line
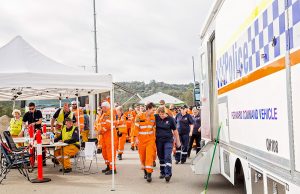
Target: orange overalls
x,y
122,129
134,114
97,128
128,117
84,134
145,131
105,130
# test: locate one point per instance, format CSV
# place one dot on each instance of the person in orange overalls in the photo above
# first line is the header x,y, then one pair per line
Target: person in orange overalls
x,y
97,128
128,117
105,130
134,113
121,131
78,113
145,139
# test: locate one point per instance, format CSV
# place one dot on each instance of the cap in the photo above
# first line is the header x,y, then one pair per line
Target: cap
x,y
184,107
68,119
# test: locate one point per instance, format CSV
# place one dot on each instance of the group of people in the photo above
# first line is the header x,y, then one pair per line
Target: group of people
x,y
66,124
153,131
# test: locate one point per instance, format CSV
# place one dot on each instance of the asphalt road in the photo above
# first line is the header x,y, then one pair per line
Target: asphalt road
x,y
128,180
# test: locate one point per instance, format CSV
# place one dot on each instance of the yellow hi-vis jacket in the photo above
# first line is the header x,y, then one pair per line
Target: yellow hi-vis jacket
x,y
67,135
61,117
15,126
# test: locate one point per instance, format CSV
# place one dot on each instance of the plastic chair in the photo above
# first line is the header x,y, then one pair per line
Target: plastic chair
x,y
10,142
11,159
87,153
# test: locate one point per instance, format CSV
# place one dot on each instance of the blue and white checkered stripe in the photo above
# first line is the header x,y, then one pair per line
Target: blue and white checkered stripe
x,y
271,24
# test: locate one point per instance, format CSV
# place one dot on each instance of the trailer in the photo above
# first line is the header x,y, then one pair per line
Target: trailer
x,y
250,67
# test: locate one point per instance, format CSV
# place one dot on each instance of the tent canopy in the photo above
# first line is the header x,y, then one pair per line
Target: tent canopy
x,y
155,98
25,73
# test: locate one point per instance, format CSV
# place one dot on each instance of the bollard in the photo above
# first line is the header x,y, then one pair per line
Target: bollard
x,y
44,129
31,149
40,178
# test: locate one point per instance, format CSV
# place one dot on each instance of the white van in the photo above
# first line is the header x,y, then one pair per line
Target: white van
x,y
250,67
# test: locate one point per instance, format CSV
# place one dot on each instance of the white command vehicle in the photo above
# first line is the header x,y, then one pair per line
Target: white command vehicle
x,y
250,86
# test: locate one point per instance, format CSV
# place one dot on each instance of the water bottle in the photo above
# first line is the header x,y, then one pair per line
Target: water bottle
x,y
26,136
51,138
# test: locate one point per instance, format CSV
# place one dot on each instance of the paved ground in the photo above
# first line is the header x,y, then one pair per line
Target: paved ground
x,y
128,180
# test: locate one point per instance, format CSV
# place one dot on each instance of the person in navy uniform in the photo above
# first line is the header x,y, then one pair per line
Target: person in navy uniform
x,y
165,131
185,125
196,134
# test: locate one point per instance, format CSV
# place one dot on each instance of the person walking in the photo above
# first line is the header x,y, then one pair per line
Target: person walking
x,y
105,130
185,124
195,134
145,139
165,130
121,131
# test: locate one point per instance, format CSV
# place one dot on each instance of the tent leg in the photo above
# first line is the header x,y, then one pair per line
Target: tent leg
x,y
112,137
78,122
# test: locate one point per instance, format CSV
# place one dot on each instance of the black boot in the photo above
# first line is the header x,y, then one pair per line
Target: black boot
x,y
109,172
136,148
154,164
120,156
149,178
99,151
132,148
167,178
106,169
145,174
161,176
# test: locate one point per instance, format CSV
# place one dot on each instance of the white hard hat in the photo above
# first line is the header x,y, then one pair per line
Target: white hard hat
x,y
75,102
106,104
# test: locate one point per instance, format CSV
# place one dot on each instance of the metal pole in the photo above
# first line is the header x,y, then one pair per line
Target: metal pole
x,y
194,70
78,122
95,37
194,80
112,136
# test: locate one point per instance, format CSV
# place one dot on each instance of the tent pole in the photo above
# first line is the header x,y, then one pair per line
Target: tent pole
x,y
96,108
92,112
78,122
112,136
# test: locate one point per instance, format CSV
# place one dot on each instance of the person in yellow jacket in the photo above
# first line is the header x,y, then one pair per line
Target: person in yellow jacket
x,y
70,135
78,113
16,123
121,130
59,117
145,139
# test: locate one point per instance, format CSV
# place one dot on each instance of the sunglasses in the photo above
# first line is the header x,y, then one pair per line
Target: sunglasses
x,y
74,104
31,108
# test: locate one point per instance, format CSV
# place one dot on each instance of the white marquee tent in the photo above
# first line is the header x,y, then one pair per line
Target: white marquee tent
x,y
155,98
25,73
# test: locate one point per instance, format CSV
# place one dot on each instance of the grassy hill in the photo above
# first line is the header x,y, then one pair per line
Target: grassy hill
x,y
183,92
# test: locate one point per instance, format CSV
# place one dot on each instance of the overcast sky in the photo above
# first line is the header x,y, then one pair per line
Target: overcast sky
x,y
139,40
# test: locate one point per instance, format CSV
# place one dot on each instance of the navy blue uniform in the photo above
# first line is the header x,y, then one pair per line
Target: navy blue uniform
x,y
164,143
196,135
183,123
